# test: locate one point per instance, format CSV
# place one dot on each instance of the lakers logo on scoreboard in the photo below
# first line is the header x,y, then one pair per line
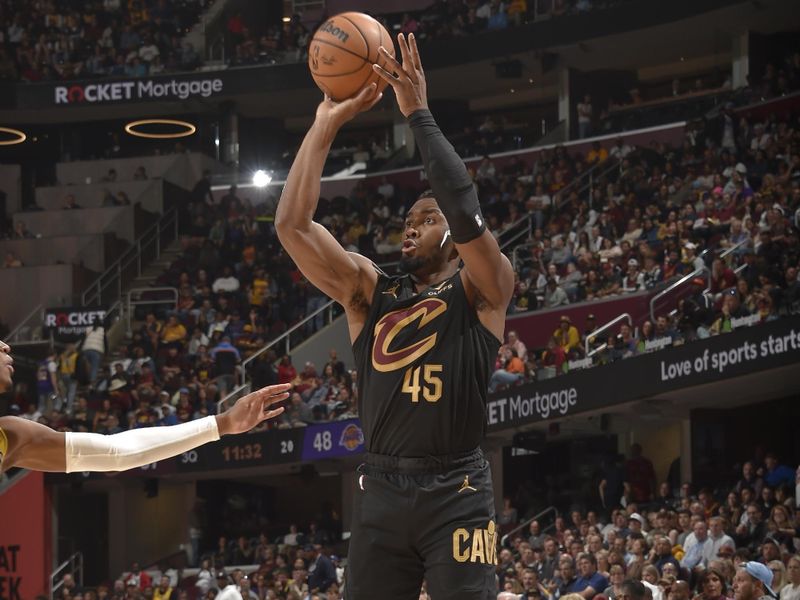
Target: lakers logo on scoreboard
x,y
352,437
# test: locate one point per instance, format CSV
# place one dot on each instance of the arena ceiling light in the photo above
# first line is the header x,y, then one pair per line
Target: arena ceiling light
x,y
135,128
18,139
261,178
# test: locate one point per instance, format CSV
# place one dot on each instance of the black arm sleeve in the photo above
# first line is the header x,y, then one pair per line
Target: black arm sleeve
x,y
449,179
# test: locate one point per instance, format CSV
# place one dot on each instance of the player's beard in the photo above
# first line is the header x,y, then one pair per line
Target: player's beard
x,y
410,265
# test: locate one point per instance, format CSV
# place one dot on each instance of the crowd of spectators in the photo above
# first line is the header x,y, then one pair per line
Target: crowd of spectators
x,y
236,291
69,39
679,543
725,208
443,19
659,214
670,543
66,39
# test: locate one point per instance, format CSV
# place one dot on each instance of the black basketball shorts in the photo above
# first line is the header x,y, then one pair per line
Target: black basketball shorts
x,y
415,518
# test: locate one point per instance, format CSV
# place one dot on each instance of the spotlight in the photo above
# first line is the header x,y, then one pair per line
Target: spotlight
x,y
261,178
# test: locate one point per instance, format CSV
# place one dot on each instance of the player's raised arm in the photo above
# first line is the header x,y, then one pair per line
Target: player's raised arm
x,y
486,267
338,273
34,446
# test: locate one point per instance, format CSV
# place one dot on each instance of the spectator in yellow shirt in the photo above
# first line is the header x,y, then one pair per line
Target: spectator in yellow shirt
x,y
567,335
258,288
596,155
163,591
173,331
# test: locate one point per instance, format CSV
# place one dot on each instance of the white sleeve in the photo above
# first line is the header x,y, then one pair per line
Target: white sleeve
x,y
137,447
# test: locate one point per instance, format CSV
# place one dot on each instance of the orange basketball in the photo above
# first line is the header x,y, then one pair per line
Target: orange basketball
x,y
342,52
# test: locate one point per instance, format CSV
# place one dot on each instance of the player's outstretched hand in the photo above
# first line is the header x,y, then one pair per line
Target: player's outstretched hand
x,y
408,79
336,114
253,409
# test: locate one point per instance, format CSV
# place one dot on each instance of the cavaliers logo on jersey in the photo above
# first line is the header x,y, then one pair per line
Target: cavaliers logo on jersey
x,y
391,324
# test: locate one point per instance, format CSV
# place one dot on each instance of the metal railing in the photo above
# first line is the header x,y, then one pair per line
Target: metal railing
x,y
539,515
515,231
725,253
521,228
285,337
682,281
74,566
24,332
114,274
515,259
592,336
130,302
560,197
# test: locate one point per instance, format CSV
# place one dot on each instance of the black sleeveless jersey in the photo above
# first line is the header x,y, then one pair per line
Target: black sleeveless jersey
x,y
424,361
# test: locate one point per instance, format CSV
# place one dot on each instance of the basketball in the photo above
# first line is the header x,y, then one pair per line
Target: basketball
x,y
342,52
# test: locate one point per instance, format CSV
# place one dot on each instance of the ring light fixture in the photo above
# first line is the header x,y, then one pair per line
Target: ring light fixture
x,y
132,128
21,137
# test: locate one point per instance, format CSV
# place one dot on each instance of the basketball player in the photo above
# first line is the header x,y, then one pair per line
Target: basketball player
x,y
424,343
31,445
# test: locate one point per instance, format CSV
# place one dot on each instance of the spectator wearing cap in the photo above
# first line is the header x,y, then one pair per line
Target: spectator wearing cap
x,y
168,416
228,590
248,593
636,524
589,325
753,581
770,550
690,258
567,335
634,278
732,308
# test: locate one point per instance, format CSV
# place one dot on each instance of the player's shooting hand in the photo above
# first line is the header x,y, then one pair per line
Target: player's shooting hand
x,y
253,409
408,79
336,114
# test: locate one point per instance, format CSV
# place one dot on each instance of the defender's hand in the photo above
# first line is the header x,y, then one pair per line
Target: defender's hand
x,y
408,79
253,409
335,114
